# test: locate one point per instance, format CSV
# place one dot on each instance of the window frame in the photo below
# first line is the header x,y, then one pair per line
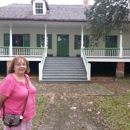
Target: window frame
x,y
39,10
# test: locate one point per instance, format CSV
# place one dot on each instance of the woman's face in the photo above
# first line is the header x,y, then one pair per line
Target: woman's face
x,y
20,67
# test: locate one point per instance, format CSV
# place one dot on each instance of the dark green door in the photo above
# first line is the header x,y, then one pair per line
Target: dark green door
x,y
62,45
111,42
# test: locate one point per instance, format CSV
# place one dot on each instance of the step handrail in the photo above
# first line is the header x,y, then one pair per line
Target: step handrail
x,y
41,64
86,64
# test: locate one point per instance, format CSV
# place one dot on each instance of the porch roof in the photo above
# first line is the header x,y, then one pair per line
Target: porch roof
x,y
66,13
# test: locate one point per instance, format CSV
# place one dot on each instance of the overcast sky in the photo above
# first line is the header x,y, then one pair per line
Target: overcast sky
x,y
73,2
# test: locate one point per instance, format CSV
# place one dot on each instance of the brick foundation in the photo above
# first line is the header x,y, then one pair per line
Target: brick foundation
x,y
120,68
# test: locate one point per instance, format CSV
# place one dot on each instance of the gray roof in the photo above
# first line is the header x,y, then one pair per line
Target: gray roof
x,y
56,13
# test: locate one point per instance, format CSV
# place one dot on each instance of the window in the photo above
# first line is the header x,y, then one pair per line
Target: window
x,y
111,38
77,42
17,40
41,40
39,8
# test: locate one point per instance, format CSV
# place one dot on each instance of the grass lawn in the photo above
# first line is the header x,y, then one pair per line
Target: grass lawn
x,y
114,111
40,104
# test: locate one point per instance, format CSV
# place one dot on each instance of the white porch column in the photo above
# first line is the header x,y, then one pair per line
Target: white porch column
x,y
10,47
82,39
46,39
121,48
45,35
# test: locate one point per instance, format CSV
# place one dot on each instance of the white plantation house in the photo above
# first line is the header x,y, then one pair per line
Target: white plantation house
x,y
54,39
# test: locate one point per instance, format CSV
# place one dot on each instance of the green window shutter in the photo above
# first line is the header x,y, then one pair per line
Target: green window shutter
x,y
49,41
86,41
75,41
26,40
38,40
6,39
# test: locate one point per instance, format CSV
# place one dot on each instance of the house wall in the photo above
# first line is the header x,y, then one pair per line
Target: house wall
x,y
71,33
54,32
113,33
126,39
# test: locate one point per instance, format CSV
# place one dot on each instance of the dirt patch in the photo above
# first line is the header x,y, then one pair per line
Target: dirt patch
x,y
118,86
111,83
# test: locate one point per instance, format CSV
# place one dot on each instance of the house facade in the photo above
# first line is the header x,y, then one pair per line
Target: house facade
x,y
30,29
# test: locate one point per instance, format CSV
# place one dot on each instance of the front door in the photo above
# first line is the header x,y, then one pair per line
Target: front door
x,y
111,45
62,45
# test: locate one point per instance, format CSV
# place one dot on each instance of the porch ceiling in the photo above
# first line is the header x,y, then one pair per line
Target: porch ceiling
x,y
40,25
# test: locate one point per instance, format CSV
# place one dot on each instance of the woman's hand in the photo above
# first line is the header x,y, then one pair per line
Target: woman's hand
x,y
2,99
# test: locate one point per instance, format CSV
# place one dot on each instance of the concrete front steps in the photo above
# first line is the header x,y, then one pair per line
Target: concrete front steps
x,y
64,69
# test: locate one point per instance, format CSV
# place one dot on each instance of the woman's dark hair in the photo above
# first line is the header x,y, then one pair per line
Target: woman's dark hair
x,y
13,62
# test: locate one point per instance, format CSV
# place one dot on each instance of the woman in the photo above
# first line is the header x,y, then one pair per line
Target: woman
x,y
14,90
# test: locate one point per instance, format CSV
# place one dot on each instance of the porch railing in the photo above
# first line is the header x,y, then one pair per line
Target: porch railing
x,y
24,51
106,52
86,64
41,64
89,52
126,52
28,51
4,51
102,52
